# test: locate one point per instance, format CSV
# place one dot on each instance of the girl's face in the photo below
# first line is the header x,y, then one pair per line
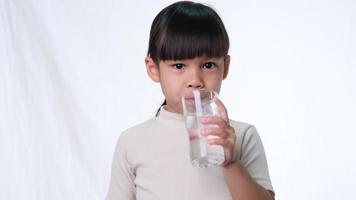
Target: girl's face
x,y
177,77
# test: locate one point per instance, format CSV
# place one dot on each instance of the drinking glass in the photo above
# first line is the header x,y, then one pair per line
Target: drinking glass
x,y
197,104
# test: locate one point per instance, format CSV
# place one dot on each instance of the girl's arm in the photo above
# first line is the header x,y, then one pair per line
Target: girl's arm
x,y
247,173
122,178
242,186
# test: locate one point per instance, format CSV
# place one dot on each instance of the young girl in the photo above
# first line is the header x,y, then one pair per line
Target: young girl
x,y
188,49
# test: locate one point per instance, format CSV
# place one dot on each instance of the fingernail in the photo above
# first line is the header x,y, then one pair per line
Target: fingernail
x,y
210,141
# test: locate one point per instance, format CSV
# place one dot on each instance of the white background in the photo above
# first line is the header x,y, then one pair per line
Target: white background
x,y
72,77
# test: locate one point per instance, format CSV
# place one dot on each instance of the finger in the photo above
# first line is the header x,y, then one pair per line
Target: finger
x,y
222,109
217,141
214,120
215,131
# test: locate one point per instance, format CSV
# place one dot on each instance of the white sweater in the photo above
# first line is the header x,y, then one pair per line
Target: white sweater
x,y
151,162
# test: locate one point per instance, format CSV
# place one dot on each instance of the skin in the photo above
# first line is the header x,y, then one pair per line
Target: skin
x,y
177,77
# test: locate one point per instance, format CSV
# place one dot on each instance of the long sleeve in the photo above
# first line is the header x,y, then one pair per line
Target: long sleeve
x,y
253,158
122,178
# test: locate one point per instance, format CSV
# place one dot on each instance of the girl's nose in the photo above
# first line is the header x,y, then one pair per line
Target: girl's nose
x,y
195,81
195,85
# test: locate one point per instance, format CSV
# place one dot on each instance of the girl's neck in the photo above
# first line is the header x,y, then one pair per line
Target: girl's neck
x,y
172,109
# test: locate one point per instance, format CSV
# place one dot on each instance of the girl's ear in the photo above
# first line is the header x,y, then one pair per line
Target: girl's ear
x,y
152,69
226,65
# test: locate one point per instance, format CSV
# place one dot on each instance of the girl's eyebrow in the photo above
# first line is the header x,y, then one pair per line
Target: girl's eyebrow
x,y
170,62
176,62
211,60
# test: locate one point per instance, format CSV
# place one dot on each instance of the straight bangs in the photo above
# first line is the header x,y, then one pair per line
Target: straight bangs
x,y
189,34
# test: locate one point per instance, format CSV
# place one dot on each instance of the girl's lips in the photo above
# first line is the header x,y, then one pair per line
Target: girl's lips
x,y
189,99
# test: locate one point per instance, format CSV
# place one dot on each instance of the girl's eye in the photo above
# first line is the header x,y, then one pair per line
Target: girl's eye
x,y
209,65
178,66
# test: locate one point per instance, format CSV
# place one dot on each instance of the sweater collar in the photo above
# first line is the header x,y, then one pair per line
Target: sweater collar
x,y
168,116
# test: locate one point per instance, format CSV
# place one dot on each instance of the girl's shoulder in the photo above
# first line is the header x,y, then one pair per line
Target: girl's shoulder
x,y
241,126
244,130
248,141
135,135
138,129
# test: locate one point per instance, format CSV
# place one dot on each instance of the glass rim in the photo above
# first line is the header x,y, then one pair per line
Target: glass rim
x,y
211,93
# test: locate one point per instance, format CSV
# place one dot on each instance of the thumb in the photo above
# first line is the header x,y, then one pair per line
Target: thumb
x,y
221,108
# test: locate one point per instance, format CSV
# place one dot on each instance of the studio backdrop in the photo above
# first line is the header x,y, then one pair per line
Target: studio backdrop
x,y
72,78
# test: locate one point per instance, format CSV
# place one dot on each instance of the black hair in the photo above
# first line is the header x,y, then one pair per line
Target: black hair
x,y
185,30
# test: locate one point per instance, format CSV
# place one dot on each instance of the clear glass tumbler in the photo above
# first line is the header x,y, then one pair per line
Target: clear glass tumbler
x,y
197,104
